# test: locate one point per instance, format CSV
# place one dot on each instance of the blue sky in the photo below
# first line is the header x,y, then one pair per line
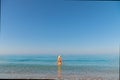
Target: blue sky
x,y
58,26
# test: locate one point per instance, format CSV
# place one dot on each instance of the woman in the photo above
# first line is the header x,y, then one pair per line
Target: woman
x,y
59,61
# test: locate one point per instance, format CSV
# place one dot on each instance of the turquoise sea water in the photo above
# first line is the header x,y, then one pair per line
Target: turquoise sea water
x,y
42,66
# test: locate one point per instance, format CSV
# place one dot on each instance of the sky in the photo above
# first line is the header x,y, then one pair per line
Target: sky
x,y
59,26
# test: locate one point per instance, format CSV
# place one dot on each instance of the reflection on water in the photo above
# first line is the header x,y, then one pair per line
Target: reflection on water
x,y
60,72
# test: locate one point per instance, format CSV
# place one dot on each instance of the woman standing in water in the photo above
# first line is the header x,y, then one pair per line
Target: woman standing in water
x,y
59,63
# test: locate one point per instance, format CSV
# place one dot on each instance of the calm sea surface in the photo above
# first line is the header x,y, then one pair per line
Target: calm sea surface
x,y
45,66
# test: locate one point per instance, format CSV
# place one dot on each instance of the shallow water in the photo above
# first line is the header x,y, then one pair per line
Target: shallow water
x,y
75,67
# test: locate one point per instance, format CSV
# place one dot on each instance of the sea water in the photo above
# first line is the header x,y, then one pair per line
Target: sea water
x,y
77,67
